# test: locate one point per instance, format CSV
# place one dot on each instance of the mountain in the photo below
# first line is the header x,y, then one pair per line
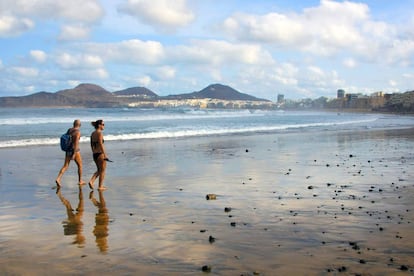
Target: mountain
x,y
40,99
89,95
86,90
92,95
217,91
83,95
136,92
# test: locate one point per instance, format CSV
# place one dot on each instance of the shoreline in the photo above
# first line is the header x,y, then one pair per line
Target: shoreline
x,y
317,203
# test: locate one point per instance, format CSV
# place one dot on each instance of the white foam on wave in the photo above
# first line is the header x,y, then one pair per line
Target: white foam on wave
x,y
175,133
130,117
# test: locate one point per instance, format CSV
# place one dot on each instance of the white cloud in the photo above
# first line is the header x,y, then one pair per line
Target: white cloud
x,y
166,72
27,72
286,74
132,51
349,62
18,16
13,26
164,15
144,81
38,56
272,27
325,30
74,32
401,52
405,75
87,11
392,83
69,61
315,71
220,53
315,78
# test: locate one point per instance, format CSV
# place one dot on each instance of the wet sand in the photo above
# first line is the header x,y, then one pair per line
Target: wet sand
x,y
318,203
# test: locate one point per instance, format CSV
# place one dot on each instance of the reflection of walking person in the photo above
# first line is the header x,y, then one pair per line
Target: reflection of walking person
x,y
99,154
101,222
73,225
74,154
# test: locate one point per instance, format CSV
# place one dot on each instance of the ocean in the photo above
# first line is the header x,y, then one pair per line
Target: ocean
x,y
21,127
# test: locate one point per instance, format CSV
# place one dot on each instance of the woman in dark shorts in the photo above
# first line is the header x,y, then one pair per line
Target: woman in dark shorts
x,y
99,154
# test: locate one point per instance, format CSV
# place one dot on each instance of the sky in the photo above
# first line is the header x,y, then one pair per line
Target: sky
x,y
301,49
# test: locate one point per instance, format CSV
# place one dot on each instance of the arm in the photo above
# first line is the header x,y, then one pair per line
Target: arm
x,y
101,144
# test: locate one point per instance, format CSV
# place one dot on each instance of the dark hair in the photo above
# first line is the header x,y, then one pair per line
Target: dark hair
x,y
97,123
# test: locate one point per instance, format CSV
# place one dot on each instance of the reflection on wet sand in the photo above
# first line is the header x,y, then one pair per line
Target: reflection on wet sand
x,y
101,222
73,225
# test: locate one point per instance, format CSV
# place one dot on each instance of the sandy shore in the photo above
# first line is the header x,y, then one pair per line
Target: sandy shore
x,y
318,203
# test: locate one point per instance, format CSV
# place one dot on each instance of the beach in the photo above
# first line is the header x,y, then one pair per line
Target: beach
x,y
287,203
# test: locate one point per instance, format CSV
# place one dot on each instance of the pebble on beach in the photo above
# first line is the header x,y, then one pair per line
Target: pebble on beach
x,y
211,196
206,268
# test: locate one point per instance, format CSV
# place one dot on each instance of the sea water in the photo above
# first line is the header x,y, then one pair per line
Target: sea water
x,y
43,126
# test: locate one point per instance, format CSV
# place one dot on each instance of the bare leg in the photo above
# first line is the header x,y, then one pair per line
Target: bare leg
x,y
94,176
78,160
63,170
102,164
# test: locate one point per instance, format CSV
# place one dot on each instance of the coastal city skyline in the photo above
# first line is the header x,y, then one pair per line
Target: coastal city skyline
x,y
262,48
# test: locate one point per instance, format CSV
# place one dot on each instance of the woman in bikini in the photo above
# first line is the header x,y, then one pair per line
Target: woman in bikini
x,y
99,154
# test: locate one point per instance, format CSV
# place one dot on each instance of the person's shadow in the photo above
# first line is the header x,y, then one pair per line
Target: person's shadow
x,y
101,228
73,225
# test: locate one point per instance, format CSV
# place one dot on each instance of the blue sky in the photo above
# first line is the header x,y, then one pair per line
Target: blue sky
x,y
302,49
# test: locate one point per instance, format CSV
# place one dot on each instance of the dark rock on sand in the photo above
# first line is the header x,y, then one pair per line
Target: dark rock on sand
x,y
404,268
206,268
211,196
342,269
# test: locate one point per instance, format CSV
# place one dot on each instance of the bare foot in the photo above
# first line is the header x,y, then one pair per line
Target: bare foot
x,y
90,185
58,183
81,183
103,188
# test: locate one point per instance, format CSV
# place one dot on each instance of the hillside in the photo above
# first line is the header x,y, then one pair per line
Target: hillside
x,y
83,95
89,95
217,91
40,99
92,95
136,92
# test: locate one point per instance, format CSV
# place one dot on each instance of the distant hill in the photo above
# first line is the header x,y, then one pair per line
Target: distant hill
x,y
83,95
40,99
136,92
217,91
92,95
89,95
91,91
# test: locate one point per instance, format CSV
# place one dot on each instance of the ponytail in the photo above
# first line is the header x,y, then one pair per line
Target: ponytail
x,y
96,123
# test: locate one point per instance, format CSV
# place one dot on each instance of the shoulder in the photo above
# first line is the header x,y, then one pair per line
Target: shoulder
x,y
96,134
74,132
